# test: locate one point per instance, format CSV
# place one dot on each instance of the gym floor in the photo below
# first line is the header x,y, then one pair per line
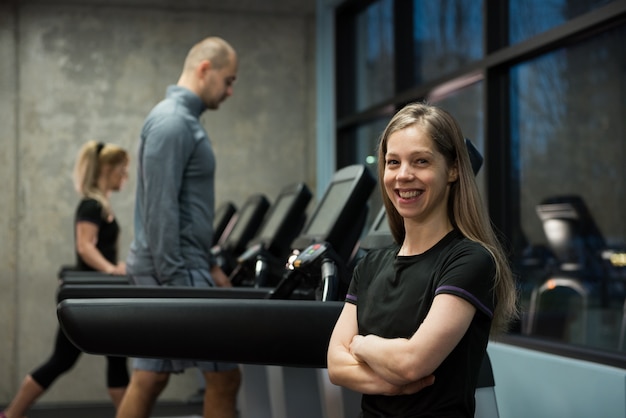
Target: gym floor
x,y
70,410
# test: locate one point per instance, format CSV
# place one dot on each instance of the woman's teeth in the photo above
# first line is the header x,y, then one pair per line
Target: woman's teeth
x,y
409,194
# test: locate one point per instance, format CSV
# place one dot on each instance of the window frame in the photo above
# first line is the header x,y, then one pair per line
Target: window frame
x,y
494,68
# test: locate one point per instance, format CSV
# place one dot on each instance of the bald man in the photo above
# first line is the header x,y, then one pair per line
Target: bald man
x,y
174,210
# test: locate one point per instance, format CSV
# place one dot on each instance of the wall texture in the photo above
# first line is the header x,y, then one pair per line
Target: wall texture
x,y
8,201
72,71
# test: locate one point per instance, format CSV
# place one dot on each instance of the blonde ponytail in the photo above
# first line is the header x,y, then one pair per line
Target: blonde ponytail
x,y
92,158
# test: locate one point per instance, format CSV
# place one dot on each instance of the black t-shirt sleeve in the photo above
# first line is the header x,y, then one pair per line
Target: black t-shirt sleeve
x,y
469,273
362,266
351,295
89,210
369,267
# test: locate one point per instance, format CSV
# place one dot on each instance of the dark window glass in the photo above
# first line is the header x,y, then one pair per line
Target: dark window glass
x,y
569,146
360,146
374,54
448,34
531,17
466,105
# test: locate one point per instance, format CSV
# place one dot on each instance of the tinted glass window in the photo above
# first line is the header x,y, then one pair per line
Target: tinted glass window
x,y
569,143
374,54
447,35
360,146
466,105
531,17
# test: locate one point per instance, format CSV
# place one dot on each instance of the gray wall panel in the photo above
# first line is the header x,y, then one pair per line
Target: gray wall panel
x,y
92,70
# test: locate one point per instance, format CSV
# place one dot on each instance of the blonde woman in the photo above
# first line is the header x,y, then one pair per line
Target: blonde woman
x,y
100,169
418,315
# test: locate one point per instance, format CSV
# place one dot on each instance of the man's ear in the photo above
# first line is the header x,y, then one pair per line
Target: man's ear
x,y
203,67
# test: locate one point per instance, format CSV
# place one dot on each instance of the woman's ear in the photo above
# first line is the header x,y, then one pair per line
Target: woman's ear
x,y
453,172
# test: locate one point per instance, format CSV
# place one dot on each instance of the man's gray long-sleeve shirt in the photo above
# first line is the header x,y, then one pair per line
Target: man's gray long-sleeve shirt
x,y
175,198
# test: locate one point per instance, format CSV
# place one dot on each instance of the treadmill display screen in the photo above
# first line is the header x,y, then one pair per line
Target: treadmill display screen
x,y
281,209
242,222
383,225
329,209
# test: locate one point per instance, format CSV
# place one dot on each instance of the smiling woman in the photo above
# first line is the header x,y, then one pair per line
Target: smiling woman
x,y
418,315
416,178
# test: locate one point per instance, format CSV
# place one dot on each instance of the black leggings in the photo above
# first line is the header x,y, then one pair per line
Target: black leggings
x,y
65,356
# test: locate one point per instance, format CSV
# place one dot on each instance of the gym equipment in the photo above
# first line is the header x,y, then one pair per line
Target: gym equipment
x,y
68,275
568,298
247,331
328,272
266,253
581,278
573,236
320,269
248,222
224,221
336,223
106,291
379,234
339,217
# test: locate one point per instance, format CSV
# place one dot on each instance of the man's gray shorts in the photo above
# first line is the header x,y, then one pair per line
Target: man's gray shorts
x,y
197,278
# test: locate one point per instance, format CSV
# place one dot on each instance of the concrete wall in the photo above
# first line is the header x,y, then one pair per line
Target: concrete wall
x,y
71,71
8,201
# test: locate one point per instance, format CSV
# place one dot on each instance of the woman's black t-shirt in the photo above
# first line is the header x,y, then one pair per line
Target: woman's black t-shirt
x,y
90,210
394,293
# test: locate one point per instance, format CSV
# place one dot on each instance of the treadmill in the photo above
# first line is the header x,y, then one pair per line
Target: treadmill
x,y
247,222
337,220
248,331
129,325
68,275
265,253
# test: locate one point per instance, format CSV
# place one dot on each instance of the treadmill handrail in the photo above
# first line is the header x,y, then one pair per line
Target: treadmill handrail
x,y
266,332
103,291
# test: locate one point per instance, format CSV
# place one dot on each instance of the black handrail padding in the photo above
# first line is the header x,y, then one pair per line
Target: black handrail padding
x,y
102,291
71,275
94,278
265,332
106,291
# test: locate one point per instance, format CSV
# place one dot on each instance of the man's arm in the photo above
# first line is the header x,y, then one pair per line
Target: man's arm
x,y
219,277
166,150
